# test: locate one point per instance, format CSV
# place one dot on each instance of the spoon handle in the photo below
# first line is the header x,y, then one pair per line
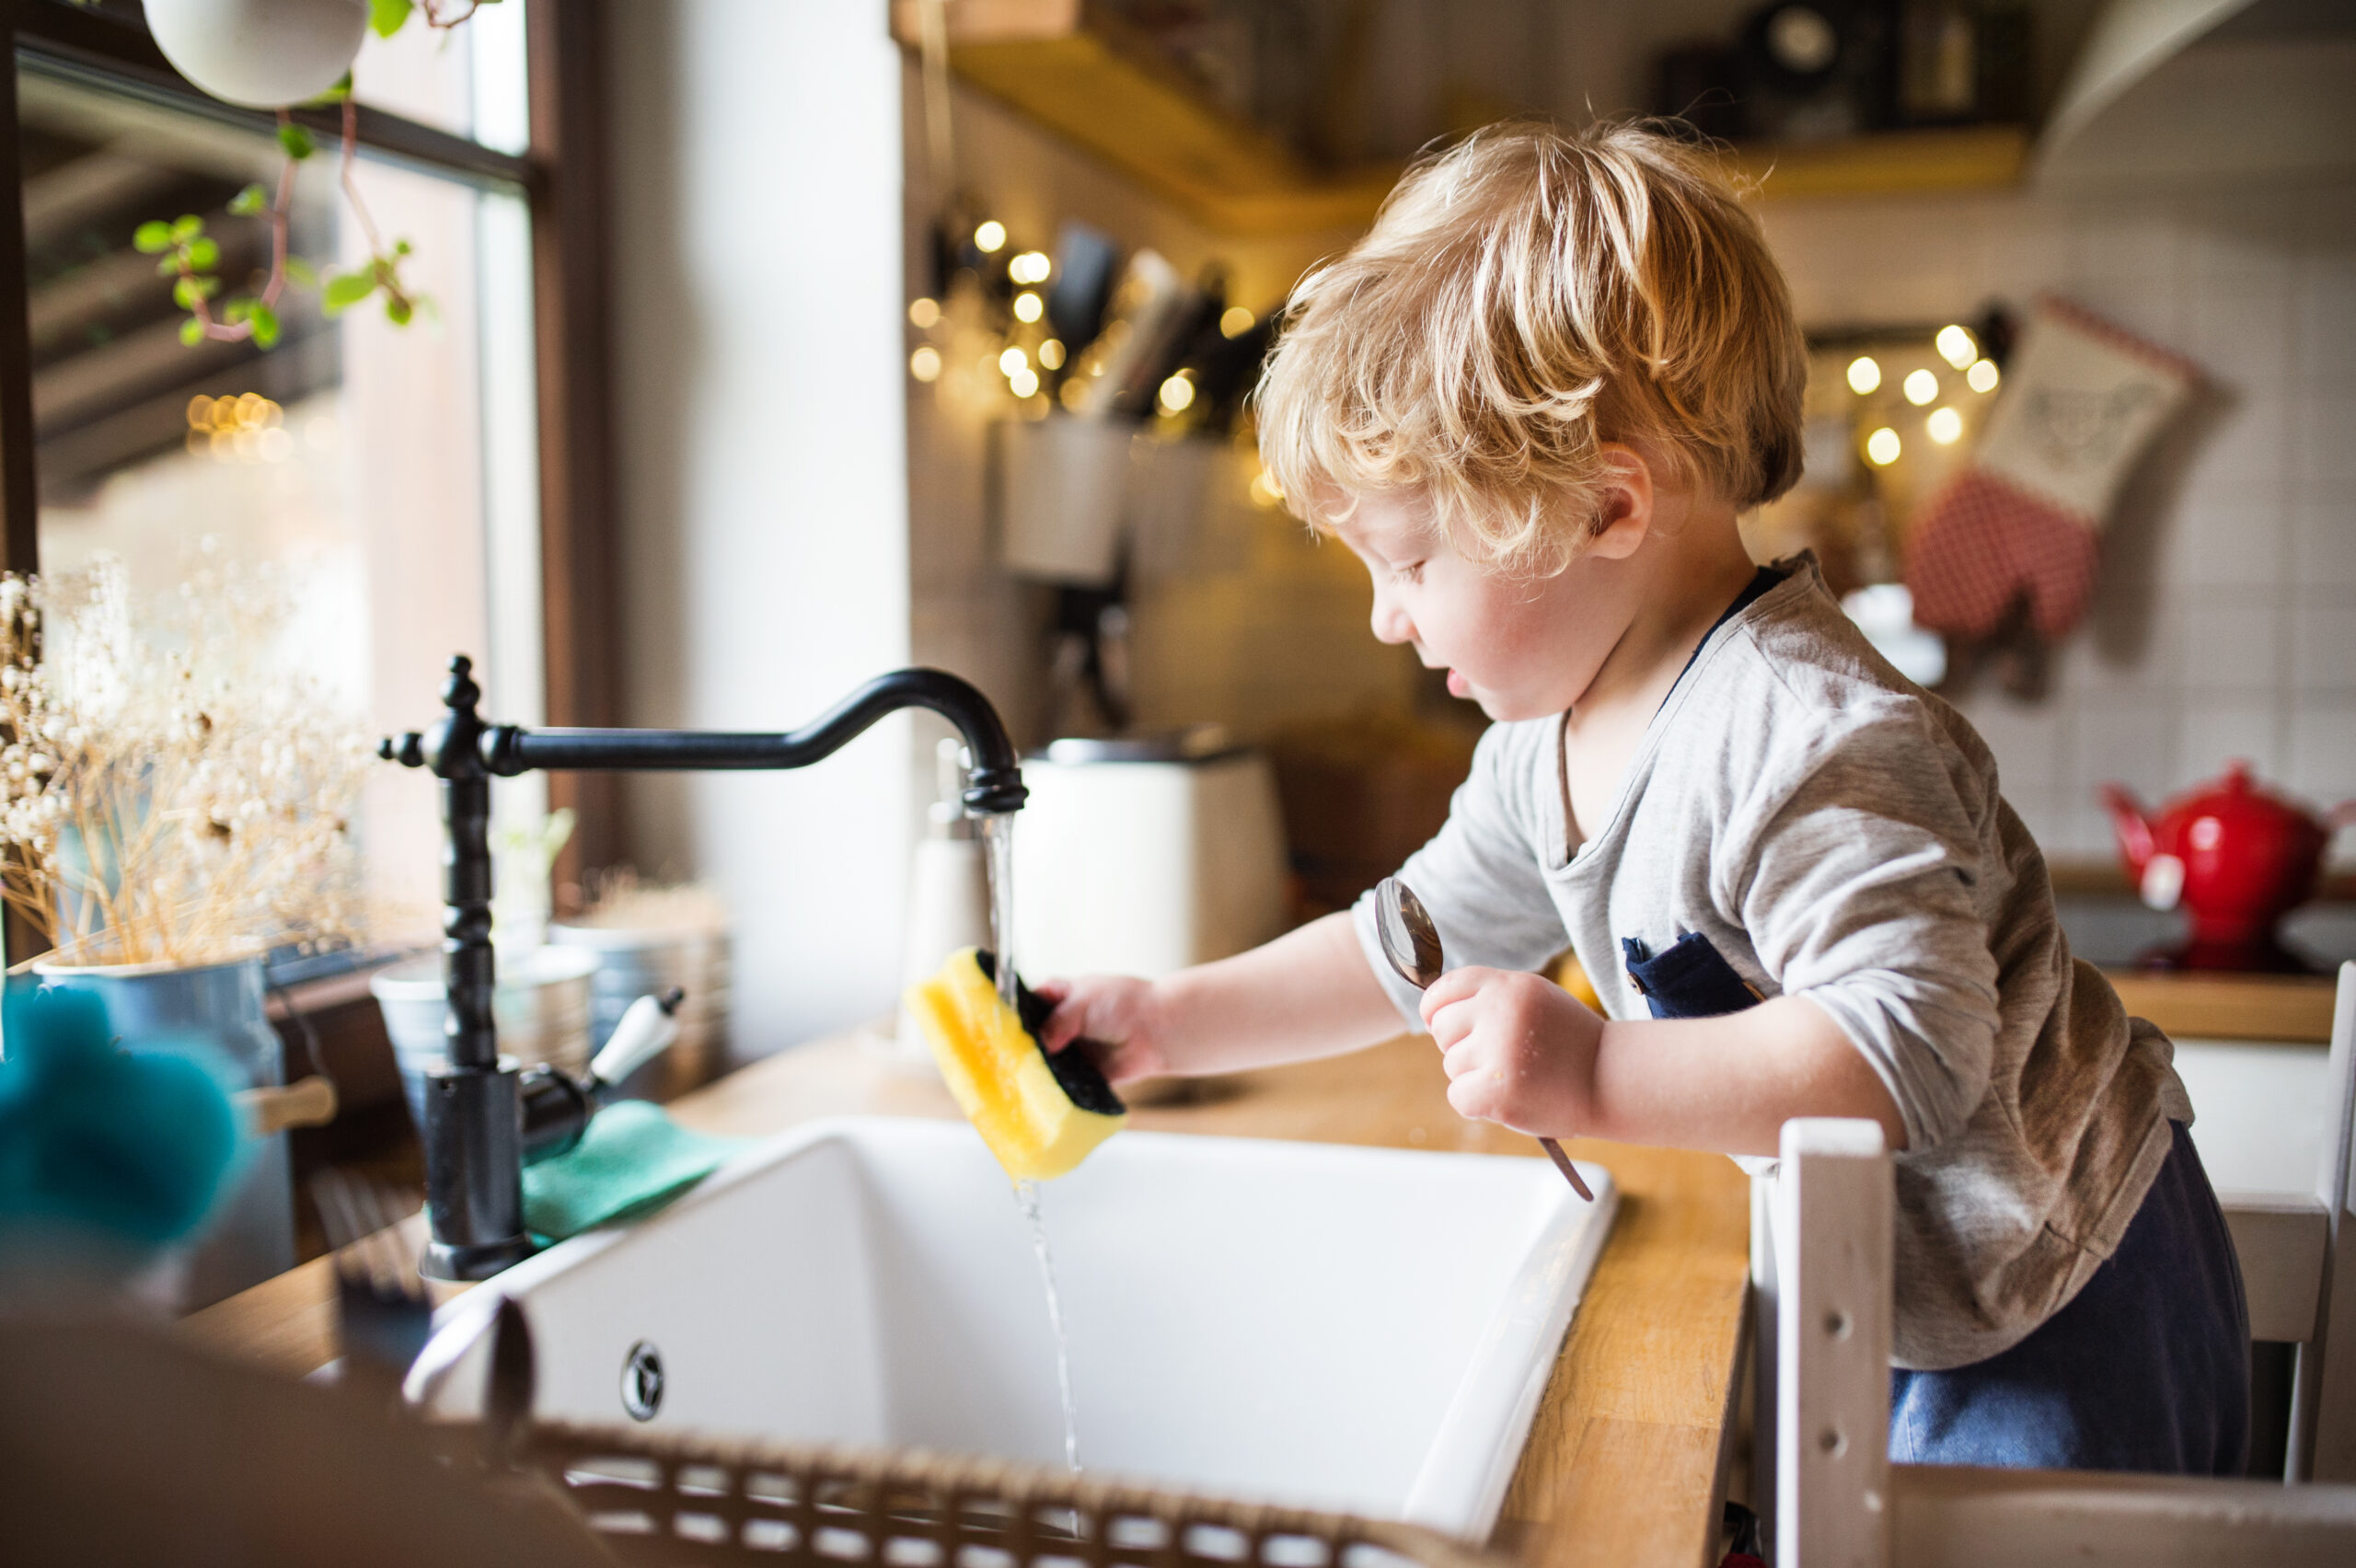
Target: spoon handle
x,y
1563,1163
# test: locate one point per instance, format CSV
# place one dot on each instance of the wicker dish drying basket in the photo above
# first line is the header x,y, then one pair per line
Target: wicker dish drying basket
x,y
673,1498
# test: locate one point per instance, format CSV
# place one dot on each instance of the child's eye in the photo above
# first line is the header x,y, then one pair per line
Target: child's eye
x,y
1412,572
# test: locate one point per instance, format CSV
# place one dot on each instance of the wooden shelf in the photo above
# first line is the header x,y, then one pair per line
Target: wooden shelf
x,y
1069,67
2229,1007
1890,163
1079,73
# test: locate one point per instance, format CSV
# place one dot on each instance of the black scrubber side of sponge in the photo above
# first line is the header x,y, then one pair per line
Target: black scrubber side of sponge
x,y
1075,1067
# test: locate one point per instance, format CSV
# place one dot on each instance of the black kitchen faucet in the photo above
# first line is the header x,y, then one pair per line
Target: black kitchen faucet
x,y
483,1115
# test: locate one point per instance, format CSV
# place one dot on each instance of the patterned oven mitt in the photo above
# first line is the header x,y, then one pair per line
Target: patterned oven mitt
x,y
2084,399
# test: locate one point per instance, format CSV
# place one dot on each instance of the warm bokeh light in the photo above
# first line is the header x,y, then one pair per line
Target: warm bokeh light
x,y
1013,360
1956,346
1864,375
1075,395
1882,446
1177,394
1265,490
1235,322
1027,306
1024,383
925,364
1946,426
1921,387
1031,267
924,314
989,236
1051,353
1982,376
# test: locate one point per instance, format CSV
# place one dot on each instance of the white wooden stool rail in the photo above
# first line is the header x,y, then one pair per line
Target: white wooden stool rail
x,y
1840,1503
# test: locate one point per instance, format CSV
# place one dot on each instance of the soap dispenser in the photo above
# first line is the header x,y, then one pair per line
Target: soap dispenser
x,y
949,896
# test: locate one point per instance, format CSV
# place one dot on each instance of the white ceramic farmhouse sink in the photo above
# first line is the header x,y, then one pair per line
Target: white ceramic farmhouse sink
x,y
1364,1330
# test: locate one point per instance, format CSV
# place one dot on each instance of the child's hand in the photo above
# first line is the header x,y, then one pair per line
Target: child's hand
x,y
1519,1049
1115,1012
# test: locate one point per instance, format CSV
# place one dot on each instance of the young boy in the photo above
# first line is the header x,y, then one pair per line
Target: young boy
x,y
1533,401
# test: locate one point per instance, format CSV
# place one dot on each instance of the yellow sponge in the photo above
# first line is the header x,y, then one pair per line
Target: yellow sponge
x,y
1040,1114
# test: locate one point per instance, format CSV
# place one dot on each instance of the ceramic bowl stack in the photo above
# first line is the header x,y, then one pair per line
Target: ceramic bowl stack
x,y
542,1008
632,961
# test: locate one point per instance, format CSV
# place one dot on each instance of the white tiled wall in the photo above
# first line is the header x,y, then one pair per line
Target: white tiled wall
x,y
2226,625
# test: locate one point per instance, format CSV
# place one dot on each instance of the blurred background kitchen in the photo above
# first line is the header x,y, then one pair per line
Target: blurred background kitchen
x,y
754,348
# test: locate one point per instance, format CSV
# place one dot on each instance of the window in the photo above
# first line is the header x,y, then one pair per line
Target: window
x,y
393,477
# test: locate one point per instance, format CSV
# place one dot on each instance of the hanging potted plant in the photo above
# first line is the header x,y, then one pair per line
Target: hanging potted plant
x,y
177,807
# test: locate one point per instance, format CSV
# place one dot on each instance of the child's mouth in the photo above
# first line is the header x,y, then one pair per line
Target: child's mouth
x,y
1457,684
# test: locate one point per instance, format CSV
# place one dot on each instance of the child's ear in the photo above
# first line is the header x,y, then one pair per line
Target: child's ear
x,y
1625,502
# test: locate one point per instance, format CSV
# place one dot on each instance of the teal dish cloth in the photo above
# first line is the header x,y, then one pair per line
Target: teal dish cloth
x,y
632,1160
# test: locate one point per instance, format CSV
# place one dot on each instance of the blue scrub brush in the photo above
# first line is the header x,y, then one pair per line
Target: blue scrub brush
x,y
119,1149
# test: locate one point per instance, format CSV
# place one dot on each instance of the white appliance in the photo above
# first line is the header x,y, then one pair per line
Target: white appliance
x,y
1145,854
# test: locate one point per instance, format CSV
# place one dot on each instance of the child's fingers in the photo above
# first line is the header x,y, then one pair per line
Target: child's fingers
x,y
1455,986
1452,1022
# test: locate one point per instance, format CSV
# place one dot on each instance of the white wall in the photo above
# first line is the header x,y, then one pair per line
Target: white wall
x,y
762,464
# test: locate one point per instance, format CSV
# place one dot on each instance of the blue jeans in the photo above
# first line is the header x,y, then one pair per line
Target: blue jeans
x,y
2147,1368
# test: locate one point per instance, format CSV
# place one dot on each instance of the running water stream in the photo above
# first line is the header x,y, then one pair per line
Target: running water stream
x,y
997,841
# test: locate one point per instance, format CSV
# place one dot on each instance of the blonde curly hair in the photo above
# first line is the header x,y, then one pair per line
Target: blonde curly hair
x,y
1525,297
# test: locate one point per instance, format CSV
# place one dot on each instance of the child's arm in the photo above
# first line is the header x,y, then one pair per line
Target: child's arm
x,y
1307,994
1521,1051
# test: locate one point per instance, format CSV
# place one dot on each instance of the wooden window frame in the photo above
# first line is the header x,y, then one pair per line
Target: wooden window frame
x,y
563,175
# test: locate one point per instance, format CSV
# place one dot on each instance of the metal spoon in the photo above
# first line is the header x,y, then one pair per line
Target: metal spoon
x,y
1411,942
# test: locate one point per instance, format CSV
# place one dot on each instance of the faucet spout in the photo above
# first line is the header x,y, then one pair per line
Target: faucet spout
x,y
994,783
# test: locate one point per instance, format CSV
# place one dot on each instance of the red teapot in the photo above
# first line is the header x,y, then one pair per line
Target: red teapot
x,y
2236,856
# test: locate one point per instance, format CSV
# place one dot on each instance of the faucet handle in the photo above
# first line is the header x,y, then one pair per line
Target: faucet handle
x,y
646,1029
408,749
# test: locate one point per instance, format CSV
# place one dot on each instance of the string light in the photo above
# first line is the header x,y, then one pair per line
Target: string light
x,y
1956,346
1921,387
1013,360
1864,375
1235,322
1022,383
1177,394
924,314
1983,376
1027,306
1883,447
247,427
1051,353
989,236
925,364
1031,267
1946,426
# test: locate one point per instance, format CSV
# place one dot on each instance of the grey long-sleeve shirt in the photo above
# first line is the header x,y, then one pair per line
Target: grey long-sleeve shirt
x,y
1835,831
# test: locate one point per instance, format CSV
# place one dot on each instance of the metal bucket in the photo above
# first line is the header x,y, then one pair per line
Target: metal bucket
x,y
632,961
542,1008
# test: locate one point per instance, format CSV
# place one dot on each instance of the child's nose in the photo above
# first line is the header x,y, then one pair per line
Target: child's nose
x,y
1392,622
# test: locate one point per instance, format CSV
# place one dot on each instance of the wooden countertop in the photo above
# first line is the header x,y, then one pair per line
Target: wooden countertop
x,y
2220,1005
1626,1459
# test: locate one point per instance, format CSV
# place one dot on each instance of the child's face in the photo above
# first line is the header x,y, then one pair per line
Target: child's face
x,y
1522,649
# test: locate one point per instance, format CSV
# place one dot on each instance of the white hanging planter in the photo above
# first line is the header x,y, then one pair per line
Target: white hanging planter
x,y
261,53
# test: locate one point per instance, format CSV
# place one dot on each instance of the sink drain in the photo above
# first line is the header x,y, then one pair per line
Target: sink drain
x,y
643,1381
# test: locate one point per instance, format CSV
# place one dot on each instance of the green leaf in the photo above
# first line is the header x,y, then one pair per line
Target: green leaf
x,y
251,200
192,331
187,226
387,15
396,310
203,254
169,267
152,236
345,290
186,293
237,309
265,322
296,142
401,247
334,95
301,273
